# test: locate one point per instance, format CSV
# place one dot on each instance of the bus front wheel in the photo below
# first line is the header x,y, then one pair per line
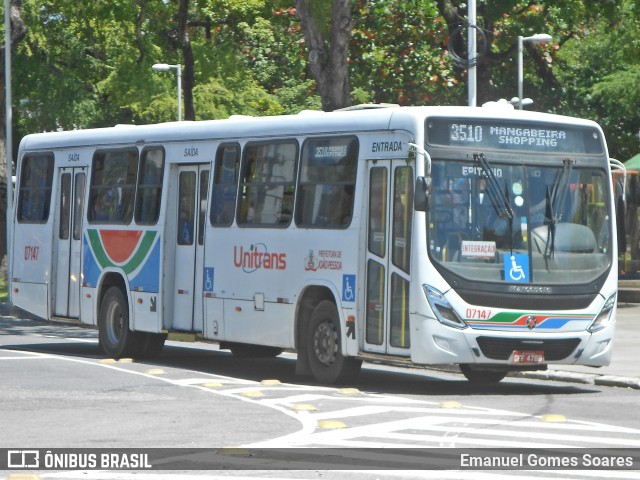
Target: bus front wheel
x,y
116,339
326,360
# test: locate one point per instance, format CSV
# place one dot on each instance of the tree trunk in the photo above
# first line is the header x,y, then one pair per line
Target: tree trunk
x,y
328,58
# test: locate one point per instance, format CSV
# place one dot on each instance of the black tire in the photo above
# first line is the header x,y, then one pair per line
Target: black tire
x,y
116,339
246,350
482,376
324,347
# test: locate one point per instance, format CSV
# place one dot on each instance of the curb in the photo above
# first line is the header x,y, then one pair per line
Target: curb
x,y
583,378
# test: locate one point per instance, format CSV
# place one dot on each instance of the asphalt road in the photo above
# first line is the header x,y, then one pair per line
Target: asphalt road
x,y
60,391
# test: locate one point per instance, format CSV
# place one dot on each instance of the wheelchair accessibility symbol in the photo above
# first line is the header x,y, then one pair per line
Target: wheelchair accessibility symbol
x,y
207,279
516,268
348,288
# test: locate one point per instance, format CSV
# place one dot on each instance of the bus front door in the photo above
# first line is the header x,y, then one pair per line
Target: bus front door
x,y
68,241
389,218
193,183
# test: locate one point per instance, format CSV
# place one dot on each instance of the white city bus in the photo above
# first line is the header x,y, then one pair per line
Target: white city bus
x,y
463,236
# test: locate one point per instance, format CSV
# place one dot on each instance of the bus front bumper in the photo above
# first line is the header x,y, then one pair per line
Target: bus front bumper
x,y
434,343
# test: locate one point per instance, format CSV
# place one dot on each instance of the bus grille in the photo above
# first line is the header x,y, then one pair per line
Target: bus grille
x,y
502,348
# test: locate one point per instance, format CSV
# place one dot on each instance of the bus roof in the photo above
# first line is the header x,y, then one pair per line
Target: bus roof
x,y
307,122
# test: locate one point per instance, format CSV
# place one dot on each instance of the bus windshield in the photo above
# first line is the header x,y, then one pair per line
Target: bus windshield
x,y
541,224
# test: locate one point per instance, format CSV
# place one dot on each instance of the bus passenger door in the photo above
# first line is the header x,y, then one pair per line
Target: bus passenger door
x,y
193,183
68,241
388,258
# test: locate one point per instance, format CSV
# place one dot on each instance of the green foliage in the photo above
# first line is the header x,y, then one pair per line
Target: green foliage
x,y
234,96
295,96
398,53
4,295
95,60
233,9
600,72
87,63
274,50
81,65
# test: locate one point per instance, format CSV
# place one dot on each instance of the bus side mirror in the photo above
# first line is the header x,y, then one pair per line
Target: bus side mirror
x,y
621,228
422,194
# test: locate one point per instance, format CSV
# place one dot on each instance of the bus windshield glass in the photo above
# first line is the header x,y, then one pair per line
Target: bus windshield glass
x,y
540,224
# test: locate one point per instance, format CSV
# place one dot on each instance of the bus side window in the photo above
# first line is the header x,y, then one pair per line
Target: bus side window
x,y
327,182
268,183
78,207
186,213
113,183
34,198
225,185
65,206
402,216
149,186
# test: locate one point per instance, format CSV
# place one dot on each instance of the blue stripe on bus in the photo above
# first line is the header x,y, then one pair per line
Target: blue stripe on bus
x,y
148,278
90,268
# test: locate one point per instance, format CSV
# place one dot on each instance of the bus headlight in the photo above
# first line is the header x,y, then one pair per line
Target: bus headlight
x,y
442,308
603,319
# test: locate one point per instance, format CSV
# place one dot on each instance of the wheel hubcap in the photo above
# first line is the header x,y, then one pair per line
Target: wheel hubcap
x,y
114,323
325,343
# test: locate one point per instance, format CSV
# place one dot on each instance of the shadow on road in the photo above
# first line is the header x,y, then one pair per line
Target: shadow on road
x,y
205,358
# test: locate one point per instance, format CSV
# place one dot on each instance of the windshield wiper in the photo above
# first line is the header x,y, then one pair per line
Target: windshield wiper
x,y
498,198
560,190
555,204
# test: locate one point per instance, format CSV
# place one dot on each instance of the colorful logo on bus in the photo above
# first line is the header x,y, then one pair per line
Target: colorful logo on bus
x,y
323,260
258,257
135,252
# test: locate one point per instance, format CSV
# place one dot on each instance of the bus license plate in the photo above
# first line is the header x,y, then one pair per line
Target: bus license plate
x,y
527,357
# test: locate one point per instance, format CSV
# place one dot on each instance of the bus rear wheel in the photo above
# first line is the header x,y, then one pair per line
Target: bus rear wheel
x,y
116,339
326,360
482,376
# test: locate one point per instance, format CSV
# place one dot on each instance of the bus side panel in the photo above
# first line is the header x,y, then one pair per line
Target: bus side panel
x,y
88,306
214,318
32,267
349,336
135,255
252,271
90,277
144,282
259,282
258,322
145,312
29,296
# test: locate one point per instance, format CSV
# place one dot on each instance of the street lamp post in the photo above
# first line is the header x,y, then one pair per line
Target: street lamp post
x,y
471,55
538,38
164,67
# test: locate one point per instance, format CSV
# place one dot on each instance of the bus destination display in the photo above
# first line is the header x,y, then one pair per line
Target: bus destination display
x,y
501,135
